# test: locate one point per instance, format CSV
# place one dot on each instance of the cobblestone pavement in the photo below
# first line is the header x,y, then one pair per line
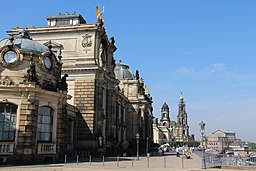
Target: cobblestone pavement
x,y
155,163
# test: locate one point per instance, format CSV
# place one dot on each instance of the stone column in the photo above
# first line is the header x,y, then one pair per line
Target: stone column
x,y
61,136
26,148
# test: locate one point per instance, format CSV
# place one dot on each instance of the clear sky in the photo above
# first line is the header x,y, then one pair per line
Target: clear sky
x,y
206,49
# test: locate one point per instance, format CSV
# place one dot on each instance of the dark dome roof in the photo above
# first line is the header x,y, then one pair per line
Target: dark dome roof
x,y
25,43
123,72
165,106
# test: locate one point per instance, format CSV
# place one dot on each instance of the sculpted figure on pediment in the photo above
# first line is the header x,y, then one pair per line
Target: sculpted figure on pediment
x,y
31,72
7,81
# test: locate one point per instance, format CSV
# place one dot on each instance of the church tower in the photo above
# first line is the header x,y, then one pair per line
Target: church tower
x,y
182,122
165,119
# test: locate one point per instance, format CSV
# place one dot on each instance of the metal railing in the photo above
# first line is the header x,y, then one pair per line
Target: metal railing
x,y
218,160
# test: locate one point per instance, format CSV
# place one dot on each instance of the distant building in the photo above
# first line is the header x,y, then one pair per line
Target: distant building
x,y
139,117
223,141
167,130
180,129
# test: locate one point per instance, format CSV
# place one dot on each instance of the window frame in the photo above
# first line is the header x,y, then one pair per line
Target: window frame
x,y
45,124
5,126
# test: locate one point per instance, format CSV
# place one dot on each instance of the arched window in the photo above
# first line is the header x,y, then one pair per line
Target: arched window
x,y
45,124
7,121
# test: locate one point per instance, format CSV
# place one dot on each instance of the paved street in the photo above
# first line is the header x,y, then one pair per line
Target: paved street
x,y
156,163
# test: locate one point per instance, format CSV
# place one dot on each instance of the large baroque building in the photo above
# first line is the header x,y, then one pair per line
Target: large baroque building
x,y
168,130
220,141
77,98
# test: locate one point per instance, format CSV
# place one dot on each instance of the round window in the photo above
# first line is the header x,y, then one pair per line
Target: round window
x,y
47,62
10,56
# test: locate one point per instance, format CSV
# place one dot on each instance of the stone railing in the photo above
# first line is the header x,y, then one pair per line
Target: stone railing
x,y
6,148
46,148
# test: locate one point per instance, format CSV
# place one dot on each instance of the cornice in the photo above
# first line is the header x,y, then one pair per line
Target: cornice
x,y
83,27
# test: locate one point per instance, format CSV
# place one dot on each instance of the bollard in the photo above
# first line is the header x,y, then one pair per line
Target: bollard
x,y
103,160
165,162
148,160
117,161
90,160
77,160
182,162
65,160
132,161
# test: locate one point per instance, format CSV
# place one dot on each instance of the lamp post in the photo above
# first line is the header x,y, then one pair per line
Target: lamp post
x,y
147,147
202,130
137,138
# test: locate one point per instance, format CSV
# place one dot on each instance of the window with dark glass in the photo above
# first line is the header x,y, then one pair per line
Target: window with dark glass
x,y
7,121
45,124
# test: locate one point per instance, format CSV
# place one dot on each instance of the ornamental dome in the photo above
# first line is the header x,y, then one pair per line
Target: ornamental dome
x,y
181,98
23,42
123,72
165,106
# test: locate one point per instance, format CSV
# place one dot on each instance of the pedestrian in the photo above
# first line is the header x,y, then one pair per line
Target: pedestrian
x,y
177,151
159,151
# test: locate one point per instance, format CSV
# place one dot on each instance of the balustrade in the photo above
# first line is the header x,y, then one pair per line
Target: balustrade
x,y
46,148
6,148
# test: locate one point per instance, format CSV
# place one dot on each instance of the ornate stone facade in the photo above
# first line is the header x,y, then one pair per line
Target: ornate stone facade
x,y
140,111
101,105
33,117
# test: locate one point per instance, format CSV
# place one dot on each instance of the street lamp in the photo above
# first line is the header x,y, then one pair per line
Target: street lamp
x,y
101,144
137,138
100,141
202,130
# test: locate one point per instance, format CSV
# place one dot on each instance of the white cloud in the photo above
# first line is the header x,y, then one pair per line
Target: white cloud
x,y
214,71
184,70
235,115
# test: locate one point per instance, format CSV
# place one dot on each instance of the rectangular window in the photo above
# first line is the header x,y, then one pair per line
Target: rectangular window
x,y
45,124
7,121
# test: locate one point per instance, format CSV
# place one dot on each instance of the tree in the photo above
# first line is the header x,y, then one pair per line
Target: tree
x,y
252,146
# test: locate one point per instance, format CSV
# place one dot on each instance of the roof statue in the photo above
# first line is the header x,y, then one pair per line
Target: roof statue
x,y
146,90
98,13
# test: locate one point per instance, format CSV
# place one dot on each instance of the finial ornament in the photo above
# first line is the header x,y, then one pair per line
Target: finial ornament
x,y
181,96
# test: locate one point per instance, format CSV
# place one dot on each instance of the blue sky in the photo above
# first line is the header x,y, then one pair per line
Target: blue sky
x,y
206,49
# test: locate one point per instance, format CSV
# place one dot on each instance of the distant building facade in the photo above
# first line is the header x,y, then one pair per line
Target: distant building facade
x,y
139,110
168,130
75,87
224,141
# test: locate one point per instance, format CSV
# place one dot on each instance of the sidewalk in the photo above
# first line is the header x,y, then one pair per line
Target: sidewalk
x,y
156,163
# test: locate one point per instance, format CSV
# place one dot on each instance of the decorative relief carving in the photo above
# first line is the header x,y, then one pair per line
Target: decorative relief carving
x,y
87,42
7,81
